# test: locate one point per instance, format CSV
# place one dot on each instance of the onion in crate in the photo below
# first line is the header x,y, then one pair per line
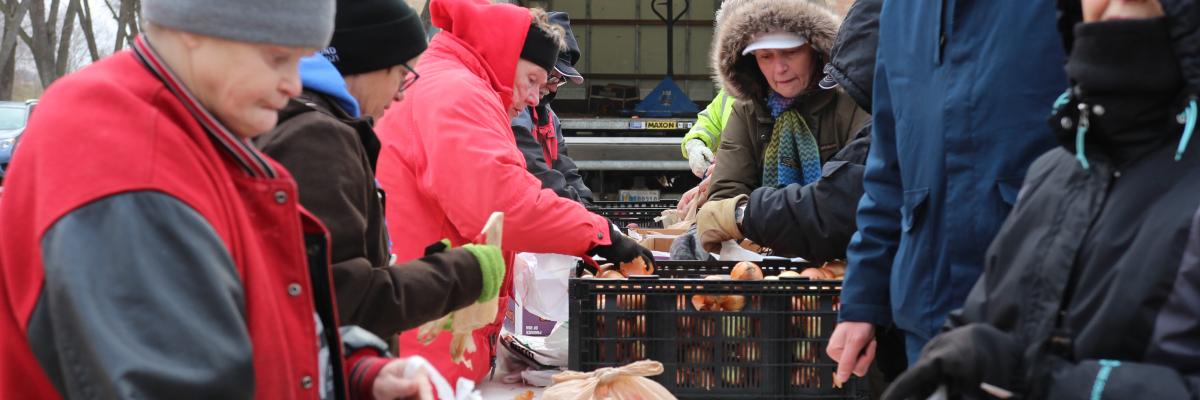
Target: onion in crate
x,y
789,274
746,271
705,302
637,267
611,274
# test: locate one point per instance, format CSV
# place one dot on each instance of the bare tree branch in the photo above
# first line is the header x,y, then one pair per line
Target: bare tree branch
x,y
62,56
14,13
108,4
127,22
89,34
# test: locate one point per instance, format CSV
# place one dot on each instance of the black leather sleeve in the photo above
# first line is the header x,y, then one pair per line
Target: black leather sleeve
x,y
141,300
813,221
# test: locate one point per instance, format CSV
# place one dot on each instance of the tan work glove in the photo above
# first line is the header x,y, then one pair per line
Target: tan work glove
x,y
462,322
715,223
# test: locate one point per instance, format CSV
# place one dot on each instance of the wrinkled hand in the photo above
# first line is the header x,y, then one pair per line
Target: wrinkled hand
x,y
716,223
699,157
702,196
391,383
852,347
687,198
961,359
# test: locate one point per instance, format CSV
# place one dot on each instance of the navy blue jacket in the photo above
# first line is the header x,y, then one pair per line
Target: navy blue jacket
x,y
961,94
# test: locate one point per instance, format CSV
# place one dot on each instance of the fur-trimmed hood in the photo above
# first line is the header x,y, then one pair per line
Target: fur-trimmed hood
x,y
739,21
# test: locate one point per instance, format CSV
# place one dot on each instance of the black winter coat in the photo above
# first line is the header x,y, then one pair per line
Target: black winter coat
x,y
813,221
561,176
1096,271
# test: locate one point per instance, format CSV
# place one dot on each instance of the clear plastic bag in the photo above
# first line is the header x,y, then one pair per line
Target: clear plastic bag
x,y
541,285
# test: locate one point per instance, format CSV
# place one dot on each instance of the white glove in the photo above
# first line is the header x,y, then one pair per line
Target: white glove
x,y
699,156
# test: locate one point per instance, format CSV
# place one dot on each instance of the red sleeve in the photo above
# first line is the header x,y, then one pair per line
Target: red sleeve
x,y
475,168
362,367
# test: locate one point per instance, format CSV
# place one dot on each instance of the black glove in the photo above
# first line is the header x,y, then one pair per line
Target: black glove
x,y
622,249
961,359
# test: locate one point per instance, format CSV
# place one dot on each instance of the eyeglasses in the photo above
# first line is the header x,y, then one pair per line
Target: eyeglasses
x,y
556,79
409,78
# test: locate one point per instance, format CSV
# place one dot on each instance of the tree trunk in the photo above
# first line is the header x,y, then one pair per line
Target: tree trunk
x,y
127,15
63,56
89,35
14,13
41,24
8,76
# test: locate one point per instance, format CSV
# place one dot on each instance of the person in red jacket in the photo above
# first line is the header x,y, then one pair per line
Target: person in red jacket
x,y
449,159
149,251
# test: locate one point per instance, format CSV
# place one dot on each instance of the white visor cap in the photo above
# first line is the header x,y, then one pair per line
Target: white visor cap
x,y
775,40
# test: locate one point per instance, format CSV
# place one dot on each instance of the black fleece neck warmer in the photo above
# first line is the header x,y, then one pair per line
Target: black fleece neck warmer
x,y
1127,85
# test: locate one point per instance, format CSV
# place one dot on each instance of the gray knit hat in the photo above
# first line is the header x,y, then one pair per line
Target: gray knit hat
x,y
293,23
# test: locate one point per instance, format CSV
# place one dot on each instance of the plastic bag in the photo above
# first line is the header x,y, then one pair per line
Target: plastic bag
x,y
624,383
732,251
541,285
417,367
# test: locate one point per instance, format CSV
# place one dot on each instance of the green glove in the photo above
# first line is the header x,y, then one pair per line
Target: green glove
x,y
491,266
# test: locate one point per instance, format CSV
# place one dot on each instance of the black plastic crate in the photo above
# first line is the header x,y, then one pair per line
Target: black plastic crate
x,y
773,349
641,213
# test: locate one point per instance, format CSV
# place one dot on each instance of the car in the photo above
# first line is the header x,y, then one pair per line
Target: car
x,y
13,117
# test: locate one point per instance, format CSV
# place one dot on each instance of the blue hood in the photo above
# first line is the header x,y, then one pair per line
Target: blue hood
x,y
319,75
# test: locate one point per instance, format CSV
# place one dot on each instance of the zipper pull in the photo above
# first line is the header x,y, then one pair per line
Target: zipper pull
x,y
1080,132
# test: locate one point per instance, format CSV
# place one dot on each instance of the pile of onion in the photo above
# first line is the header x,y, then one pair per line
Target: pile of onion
x,y
636,267
743,271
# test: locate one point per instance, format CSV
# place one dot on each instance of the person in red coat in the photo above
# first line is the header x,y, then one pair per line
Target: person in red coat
x,y
149,251
449,159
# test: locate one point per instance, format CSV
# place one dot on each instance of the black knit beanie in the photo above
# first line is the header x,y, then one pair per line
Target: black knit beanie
x,y
540,48
371,35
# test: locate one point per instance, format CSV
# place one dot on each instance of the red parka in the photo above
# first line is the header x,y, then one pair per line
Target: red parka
x,y
449,159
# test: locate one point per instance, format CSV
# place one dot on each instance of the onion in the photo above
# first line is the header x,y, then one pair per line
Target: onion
x,y
611,274
789,274
811,273
732,302
838,268
704,302
636,267
746,271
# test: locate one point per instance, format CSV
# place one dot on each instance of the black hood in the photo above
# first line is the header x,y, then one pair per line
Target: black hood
x,y
853,55
1183,27
1126,90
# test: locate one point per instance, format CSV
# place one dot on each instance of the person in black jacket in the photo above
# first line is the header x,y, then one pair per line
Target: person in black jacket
x,y
1091,288
813,221
538,130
